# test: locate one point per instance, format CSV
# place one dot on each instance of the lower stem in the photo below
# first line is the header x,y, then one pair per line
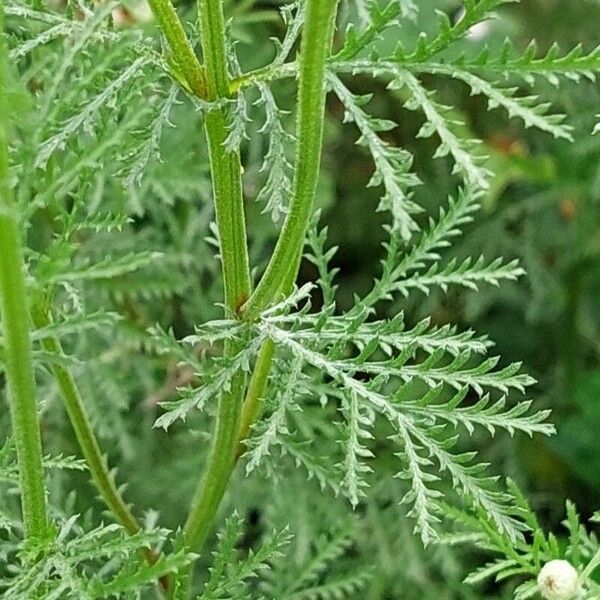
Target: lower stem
x,y
20,377
86,438
15,322
215,478
221,462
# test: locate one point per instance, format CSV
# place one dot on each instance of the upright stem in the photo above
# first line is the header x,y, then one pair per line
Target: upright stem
x,y
260,375
226,169
181,50
15,321
255,394
283,267
227,188
316,48
218,470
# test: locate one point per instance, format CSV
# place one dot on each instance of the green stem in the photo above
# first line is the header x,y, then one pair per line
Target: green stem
x,y
84,432
183,54
255,394
316,48
590,568
260,375
228,200
220,465
263,74
229,208
19,372
227,188
226,169
88,442
212,31
17,355
317,36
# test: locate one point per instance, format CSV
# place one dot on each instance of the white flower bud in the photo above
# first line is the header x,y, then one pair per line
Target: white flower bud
x,y
558,580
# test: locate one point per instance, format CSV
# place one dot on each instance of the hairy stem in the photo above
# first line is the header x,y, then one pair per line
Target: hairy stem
x,y
88,442
19,370
263,74
226,170
182,53
17,351
220,465
284,264
316,48
227,188
260,375
84,432
255,394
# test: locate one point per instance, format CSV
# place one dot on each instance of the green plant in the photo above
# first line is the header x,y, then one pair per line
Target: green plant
x,y
373,408
17,353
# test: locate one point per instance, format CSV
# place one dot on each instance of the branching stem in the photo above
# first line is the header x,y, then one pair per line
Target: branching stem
x,y
264,74
182,53
255,394
227,189
282,271
260,375
316,48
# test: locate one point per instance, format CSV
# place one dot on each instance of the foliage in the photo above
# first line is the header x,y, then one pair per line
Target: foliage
x,y
367,415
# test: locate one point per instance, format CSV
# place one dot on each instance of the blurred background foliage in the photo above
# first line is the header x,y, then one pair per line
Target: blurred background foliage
x,y
543,208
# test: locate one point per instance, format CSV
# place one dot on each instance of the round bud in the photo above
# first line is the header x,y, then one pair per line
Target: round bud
x,y
558,580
